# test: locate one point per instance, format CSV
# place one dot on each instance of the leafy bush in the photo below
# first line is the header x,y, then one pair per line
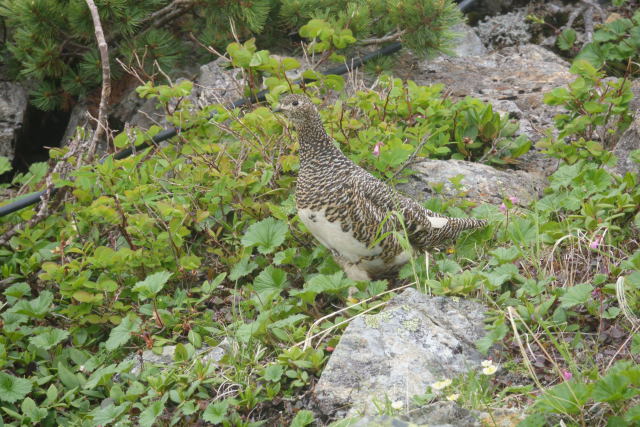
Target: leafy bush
x,y
53,44
196,244
597,114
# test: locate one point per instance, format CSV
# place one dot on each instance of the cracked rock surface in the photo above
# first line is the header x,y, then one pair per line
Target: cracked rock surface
x,y
480,183
416,341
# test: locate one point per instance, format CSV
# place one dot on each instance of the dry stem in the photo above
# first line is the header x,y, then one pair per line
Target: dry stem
x,y
101,126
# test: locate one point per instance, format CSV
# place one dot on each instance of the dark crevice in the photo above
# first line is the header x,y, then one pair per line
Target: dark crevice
x,y
40,129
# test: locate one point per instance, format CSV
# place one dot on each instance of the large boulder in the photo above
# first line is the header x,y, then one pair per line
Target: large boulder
x,y
513,80
216,83
416,341
629,142
480,183
441,414
13,108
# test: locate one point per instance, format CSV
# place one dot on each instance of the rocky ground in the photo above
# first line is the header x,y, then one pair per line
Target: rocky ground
x,y
415,339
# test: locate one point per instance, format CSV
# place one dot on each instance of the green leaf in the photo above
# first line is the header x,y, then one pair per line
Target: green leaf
x,y
216,412
533,420
610,388
13,388
149,287
180,353
273,373
68,378
84,296
270,281
102,375
122,333
635,344
242,268
568,397
578,294
267,235
5,164
506,255
302,418
31,410
49,339
322,283
36,308
190,262
148,416
566,39
108,414
633,414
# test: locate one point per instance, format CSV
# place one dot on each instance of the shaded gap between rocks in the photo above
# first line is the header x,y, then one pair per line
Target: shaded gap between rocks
x,y
40,129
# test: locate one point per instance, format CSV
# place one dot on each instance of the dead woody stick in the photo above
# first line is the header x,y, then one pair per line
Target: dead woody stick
x,y
101,127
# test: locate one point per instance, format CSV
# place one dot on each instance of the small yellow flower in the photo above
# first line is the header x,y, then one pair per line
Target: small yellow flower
x,y
490,370
398,404
453,397
441,384
450,250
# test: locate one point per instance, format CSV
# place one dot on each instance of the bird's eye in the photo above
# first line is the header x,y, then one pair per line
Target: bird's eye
x,y
294,103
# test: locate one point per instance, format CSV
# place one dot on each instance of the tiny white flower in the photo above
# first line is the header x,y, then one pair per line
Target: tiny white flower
x,y
490,370
453,397
441,384
398,404
487,363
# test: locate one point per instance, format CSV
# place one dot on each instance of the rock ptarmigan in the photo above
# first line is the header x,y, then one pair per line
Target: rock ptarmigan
x,y
347,209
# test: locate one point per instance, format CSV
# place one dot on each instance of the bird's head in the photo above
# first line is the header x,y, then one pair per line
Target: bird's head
x,y
298,108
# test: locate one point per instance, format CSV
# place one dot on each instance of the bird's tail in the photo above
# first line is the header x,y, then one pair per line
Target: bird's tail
x,y
443,229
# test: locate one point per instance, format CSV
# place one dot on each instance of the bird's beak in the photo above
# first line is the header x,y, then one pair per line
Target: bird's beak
x,y
277,109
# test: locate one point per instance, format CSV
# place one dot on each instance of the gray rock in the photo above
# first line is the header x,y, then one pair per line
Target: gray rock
x,y
135,111
467,42
416,341
438,414
481,183
513,79
216,84
205,354
628,142
13,107
78,118
500,31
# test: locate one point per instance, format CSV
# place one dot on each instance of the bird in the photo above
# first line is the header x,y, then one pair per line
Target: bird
x,y
354,214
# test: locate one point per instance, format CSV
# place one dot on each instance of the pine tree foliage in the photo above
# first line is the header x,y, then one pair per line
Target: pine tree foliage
x,y
52,42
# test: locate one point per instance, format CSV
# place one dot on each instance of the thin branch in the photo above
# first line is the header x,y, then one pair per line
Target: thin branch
x,y
102,124
170,11
412,157
386,39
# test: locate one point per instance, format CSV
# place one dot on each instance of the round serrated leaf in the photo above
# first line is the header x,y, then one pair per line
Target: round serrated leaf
x,y
266,235
13,388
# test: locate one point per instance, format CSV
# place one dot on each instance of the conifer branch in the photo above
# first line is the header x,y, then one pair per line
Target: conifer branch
x,y
101,126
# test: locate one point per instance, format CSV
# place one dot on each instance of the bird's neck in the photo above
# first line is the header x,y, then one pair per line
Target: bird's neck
x,y
314,141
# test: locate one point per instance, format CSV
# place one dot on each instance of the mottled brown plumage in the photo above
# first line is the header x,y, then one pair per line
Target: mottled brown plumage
x,y
347,209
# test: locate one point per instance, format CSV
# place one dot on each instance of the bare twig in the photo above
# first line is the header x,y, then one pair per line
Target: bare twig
x,y
101,126
167,13
386,39
412,157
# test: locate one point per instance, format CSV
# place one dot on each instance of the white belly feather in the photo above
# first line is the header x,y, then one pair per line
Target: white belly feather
x,y
331,235
351,250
